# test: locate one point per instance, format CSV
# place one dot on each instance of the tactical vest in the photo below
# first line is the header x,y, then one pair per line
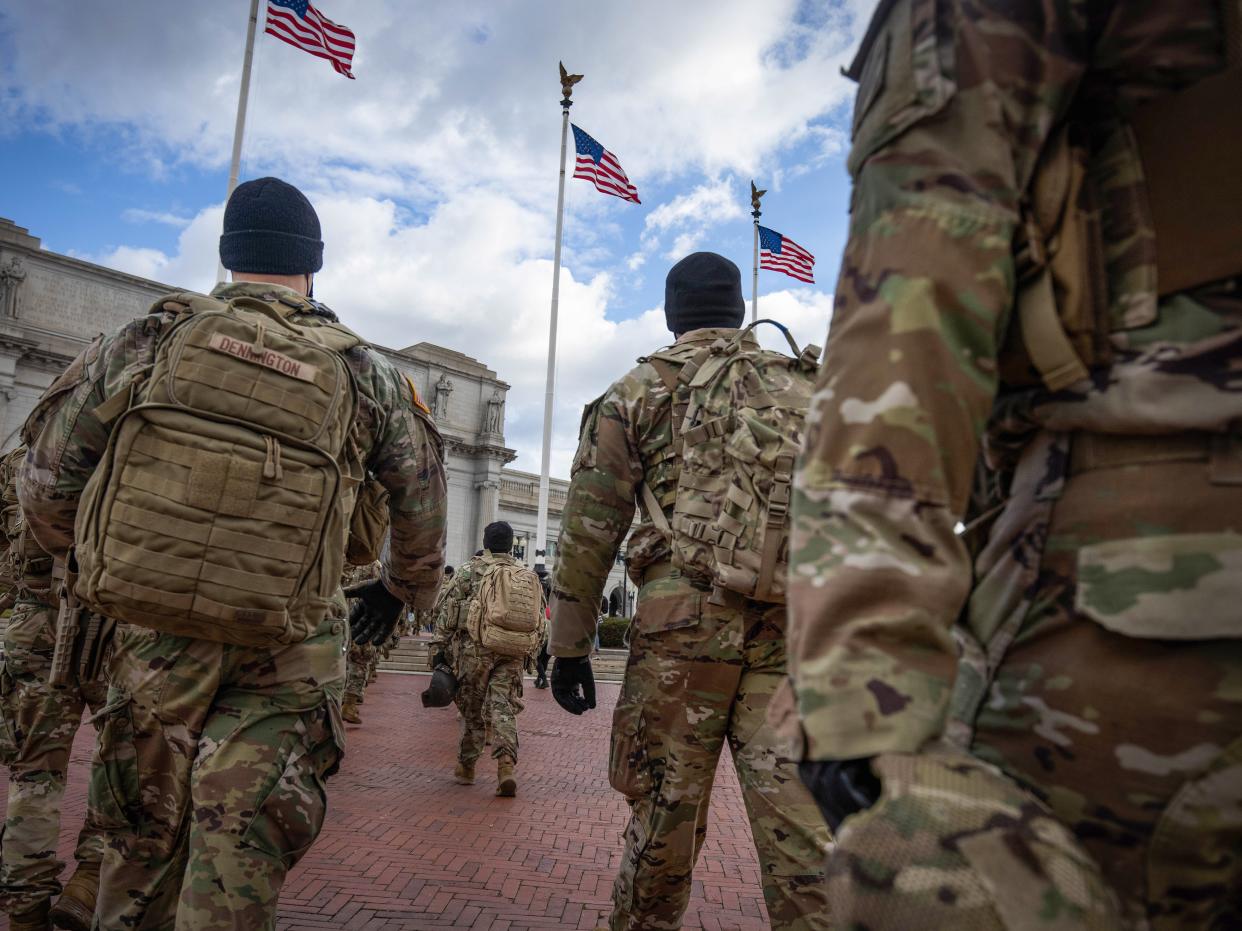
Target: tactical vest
x,y
1187,147
220,509
739,415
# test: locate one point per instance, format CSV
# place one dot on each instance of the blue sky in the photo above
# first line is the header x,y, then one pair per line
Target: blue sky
x,y
434,172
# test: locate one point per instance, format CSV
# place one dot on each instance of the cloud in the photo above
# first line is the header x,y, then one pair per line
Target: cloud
x,y
689,216
669,86
137,215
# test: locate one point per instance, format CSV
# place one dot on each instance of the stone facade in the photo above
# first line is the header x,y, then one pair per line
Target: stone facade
x,y
52,305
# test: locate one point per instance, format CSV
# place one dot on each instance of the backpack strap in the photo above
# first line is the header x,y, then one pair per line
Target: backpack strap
x,y
654,511
778,509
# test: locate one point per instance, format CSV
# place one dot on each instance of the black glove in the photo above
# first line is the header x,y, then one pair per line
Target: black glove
x,y
375,614
841,787
573,683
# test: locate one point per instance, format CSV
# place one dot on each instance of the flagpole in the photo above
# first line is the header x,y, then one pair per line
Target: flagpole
x,y
755,194
545,477
243,97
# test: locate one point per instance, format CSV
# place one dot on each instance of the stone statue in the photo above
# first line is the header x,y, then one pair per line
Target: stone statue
x,y
494,419
11,278
444,387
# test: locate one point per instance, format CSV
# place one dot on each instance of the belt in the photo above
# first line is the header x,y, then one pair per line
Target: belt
x,y
659,570
666,570
1109,451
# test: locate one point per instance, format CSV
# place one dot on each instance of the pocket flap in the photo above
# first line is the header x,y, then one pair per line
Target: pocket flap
x,y
657,614
1172,587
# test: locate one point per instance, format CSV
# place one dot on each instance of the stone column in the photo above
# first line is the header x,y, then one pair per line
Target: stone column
x,y
488,492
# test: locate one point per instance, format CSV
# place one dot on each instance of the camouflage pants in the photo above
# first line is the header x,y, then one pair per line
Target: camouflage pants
x,y
1103,676
489,692
700,675
209,782
39,724
358,668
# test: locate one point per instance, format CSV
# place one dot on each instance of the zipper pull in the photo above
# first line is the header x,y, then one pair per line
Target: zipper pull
x,y
271,465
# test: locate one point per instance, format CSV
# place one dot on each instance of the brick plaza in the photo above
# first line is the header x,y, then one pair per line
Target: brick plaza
x,y
405,848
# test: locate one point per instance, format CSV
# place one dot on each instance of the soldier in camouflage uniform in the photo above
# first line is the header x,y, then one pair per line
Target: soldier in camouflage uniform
x,y
699,674
209,780
357,662
1006,287
489,685
37,727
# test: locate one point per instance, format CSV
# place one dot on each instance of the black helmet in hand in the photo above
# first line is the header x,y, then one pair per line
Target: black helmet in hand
x,y
442,689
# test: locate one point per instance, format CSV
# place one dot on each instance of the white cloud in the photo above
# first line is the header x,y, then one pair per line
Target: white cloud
x,y
690,216
669,86
138,215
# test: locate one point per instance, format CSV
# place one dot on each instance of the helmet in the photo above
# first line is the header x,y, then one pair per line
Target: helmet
x,y
442,689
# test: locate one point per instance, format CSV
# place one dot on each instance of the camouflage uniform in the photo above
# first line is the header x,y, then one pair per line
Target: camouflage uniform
x,y
489,690
209,777
1100,647
37,727
698,674
358,660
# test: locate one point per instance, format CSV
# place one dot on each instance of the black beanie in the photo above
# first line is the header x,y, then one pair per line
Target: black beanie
x,y
270,228
703,290
498,537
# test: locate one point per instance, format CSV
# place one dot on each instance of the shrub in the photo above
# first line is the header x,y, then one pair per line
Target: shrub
x,y
612,632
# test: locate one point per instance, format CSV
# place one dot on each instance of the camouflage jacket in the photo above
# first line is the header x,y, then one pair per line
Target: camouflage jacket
x,y
955,103
402,447
626,438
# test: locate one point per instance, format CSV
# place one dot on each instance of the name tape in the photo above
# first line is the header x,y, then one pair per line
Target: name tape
x,y
268,358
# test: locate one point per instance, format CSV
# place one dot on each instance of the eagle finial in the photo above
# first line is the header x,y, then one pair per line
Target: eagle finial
x,y
755,194
568,81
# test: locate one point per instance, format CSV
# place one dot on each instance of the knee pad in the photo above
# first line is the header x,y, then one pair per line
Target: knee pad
x,y
954,844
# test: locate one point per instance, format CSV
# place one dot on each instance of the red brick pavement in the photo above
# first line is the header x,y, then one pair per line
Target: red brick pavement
x,y
405,848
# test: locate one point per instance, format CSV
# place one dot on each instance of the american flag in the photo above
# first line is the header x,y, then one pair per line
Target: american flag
x,y
304,27
599,166
781,254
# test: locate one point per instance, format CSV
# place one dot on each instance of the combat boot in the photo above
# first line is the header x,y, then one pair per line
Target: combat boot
x,y
463,775
349,712
76,905
506,785
34,920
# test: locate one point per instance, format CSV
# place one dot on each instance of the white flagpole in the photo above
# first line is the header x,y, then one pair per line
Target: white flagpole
x,y
545,478
755,194
243,97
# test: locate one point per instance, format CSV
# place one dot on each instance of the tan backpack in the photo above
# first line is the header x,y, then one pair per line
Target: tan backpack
x,y
743,423
506,615
221,506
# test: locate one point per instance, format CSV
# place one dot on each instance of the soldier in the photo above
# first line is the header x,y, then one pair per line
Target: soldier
x,y
358,659
215,527
490,621
1043,264
703,662
36,734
